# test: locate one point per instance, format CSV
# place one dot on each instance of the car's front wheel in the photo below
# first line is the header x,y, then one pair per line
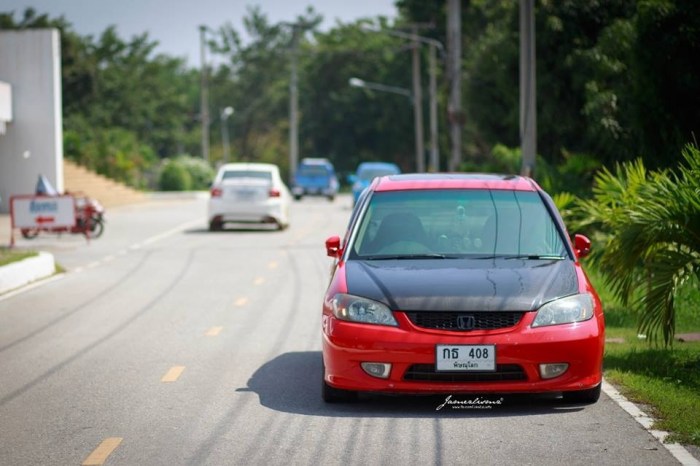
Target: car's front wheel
x,y
583,396
336,395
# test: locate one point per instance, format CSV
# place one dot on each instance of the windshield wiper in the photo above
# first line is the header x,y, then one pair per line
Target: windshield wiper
x,y
535,257
407,256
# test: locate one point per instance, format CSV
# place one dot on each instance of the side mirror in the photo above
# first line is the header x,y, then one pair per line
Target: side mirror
x,y
582,245
333,247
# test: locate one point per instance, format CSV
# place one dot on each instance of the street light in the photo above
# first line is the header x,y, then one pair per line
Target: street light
x,y
434,46
418,122
225,114
357,82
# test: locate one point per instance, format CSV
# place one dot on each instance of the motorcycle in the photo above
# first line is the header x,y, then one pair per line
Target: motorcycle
x,y
89,214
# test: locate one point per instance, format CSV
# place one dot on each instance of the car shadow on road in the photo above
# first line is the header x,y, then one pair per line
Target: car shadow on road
x,y
291,383
262,228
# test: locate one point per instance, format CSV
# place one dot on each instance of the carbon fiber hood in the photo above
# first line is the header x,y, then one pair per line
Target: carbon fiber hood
x,y
462,284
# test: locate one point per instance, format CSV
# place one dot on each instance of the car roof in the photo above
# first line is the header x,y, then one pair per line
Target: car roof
x,y
418,181
249,166
315,161
376,165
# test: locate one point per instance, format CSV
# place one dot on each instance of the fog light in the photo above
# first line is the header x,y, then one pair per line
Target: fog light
x,y
549,371
377,369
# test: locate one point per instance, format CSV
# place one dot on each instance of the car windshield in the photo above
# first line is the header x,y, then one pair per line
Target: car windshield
x,y
457,223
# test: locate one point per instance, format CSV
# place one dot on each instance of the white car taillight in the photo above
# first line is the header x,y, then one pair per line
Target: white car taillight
x,y
274,192
215,192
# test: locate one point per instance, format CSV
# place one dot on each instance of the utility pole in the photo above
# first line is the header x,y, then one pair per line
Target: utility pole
x,y
434,151
294,105
204,96
417,103
454,71
528,96
434,46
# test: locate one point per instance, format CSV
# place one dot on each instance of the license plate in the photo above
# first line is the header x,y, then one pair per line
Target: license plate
x,y
244,193
460,358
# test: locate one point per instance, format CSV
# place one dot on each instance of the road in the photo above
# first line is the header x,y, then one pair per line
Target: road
x,y
165,344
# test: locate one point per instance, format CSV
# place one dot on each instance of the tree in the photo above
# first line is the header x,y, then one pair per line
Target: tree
x,y
667,78
123,106
347,124
650,225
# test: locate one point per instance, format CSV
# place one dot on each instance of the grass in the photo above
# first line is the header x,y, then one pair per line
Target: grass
x,y
7,255
665,379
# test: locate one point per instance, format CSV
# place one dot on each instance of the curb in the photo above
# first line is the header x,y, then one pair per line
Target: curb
x,y
683,456
18,274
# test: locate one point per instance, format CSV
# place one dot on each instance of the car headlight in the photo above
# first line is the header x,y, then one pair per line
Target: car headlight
x,y
567,310
357,309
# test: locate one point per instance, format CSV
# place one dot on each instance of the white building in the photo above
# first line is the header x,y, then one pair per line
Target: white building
x,y
31,122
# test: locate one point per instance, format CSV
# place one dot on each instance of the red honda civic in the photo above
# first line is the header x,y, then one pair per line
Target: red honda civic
x,y
460,283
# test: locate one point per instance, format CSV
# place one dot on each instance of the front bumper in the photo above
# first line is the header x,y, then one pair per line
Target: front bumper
x,y
411,350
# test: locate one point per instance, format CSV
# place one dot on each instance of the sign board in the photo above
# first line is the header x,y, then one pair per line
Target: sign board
x,y
42,212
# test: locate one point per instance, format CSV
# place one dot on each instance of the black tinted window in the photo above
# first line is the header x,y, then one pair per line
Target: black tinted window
x,y
263,175
462,222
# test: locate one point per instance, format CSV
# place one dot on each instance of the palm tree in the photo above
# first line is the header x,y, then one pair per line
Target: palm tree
x,y
650,224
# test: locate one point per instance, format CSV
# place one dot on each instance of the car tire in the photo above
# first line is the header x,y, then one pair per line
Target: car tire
x,y
331,198
583,396
29,233
215,225
97,227
297,197
336,395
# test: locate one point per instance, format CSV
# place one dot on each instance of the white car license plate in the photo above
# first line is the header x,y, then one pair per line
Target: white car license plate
x,y
458,358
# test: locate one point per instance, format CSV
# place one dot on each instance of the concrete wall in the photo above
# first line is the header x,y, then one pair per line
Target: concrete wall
x,y
30,62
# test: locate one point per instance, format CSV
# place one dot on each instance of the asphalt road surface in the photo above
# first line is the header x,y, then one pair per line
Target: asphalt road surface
x,y
165,344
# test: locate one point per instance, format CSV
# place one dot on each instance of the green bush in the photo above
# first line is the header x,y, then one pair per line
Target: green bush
x,y
174,177
648,225
200,171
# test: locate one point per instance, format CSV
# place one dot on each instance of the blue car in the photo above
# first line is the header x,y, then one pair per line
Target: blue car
x,y
315,177
366,172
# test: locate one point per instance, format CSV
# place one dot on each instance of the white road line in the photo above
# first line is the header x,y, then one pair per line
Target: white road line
x,y
105,259
676,449
141,244
170,232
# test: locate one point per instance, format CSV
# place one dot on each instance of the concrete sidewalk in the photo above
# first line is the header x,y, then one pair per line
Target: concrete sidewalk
x,y
19,274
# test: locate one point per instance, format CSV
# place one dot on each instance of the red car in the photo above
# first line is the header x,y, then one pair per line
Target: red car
x,y
460,283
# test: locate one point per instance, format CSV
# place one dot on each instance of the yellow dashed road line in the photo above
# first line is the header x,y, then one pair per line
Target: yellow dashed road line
x,y
241,302
214,331
173,374
99,455
259,281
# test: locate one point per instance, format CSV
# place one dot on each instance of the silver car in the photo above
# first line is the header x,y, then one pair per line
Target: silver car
x,y
248,193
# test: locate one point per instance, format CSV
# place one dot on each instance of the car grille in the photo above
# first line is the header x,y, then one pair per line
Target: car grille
x,y
464,321
427,373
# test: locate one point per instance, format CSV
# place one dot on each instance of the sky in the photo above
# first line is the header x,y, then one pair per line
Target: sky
x,y
175,23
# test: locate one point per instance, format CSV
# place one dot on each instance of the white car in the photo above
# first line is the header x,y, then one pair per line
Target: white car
x,y
248,193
